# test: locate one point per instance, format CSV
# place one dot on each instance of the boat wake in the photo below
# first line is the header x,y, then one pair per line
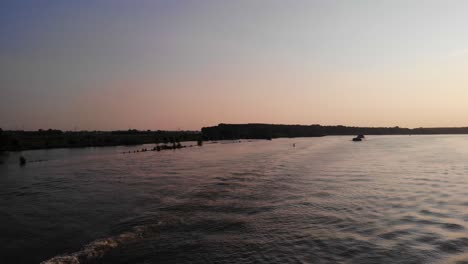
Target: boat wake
x,y
98,248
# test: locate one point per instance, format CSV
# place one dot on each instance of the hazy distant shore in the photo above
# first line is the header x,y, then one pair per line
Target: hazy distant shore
x,y
45,139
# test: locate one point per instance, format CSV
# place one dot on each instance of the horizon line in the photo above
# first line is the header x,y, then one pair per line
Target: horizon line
x,y
250,123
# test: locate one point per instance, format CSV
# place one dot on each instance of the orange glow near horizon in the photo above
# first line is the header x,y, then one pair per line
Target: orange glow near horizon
x,y
182,66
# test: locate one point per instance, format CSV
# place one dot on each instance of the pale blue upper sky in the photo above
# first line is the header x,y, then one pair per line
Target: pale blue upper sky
x,y
187,64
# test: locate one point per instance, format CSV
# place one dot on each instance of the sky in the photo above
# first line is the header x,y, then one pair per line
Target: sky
x,y
110,64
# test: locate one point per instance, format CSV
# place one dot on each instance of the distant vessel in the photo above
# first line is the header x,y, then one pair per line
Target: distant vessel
x,y
22,160
358,138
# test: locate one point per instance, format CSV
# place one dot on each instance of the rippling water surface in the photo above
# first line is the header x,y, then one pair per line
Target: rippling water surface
x,y
388,199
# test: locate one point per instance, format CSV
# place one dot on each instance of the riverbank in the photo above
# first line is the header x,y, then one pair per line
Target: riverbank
x,y
48,139
270,131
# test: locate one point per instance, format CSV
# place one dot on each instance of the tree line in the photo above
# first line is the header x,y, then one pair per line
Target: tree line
x,y
269,131
53,138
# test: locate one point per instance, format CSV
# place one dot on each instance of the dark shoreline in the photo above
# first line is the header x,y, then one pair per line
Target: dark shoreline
x,y
52,139
270,131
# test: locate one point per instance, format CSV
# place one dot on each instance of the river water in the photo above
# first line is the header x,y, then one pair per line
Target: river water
x,y
387,199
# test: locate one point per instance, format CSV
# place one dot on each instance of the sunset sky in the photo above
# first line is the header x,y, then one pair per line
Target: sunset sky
x,y
105,65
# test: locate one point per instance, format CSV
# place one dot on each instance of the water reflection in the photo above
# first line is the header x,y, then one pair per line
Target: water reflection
x,y
390,199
